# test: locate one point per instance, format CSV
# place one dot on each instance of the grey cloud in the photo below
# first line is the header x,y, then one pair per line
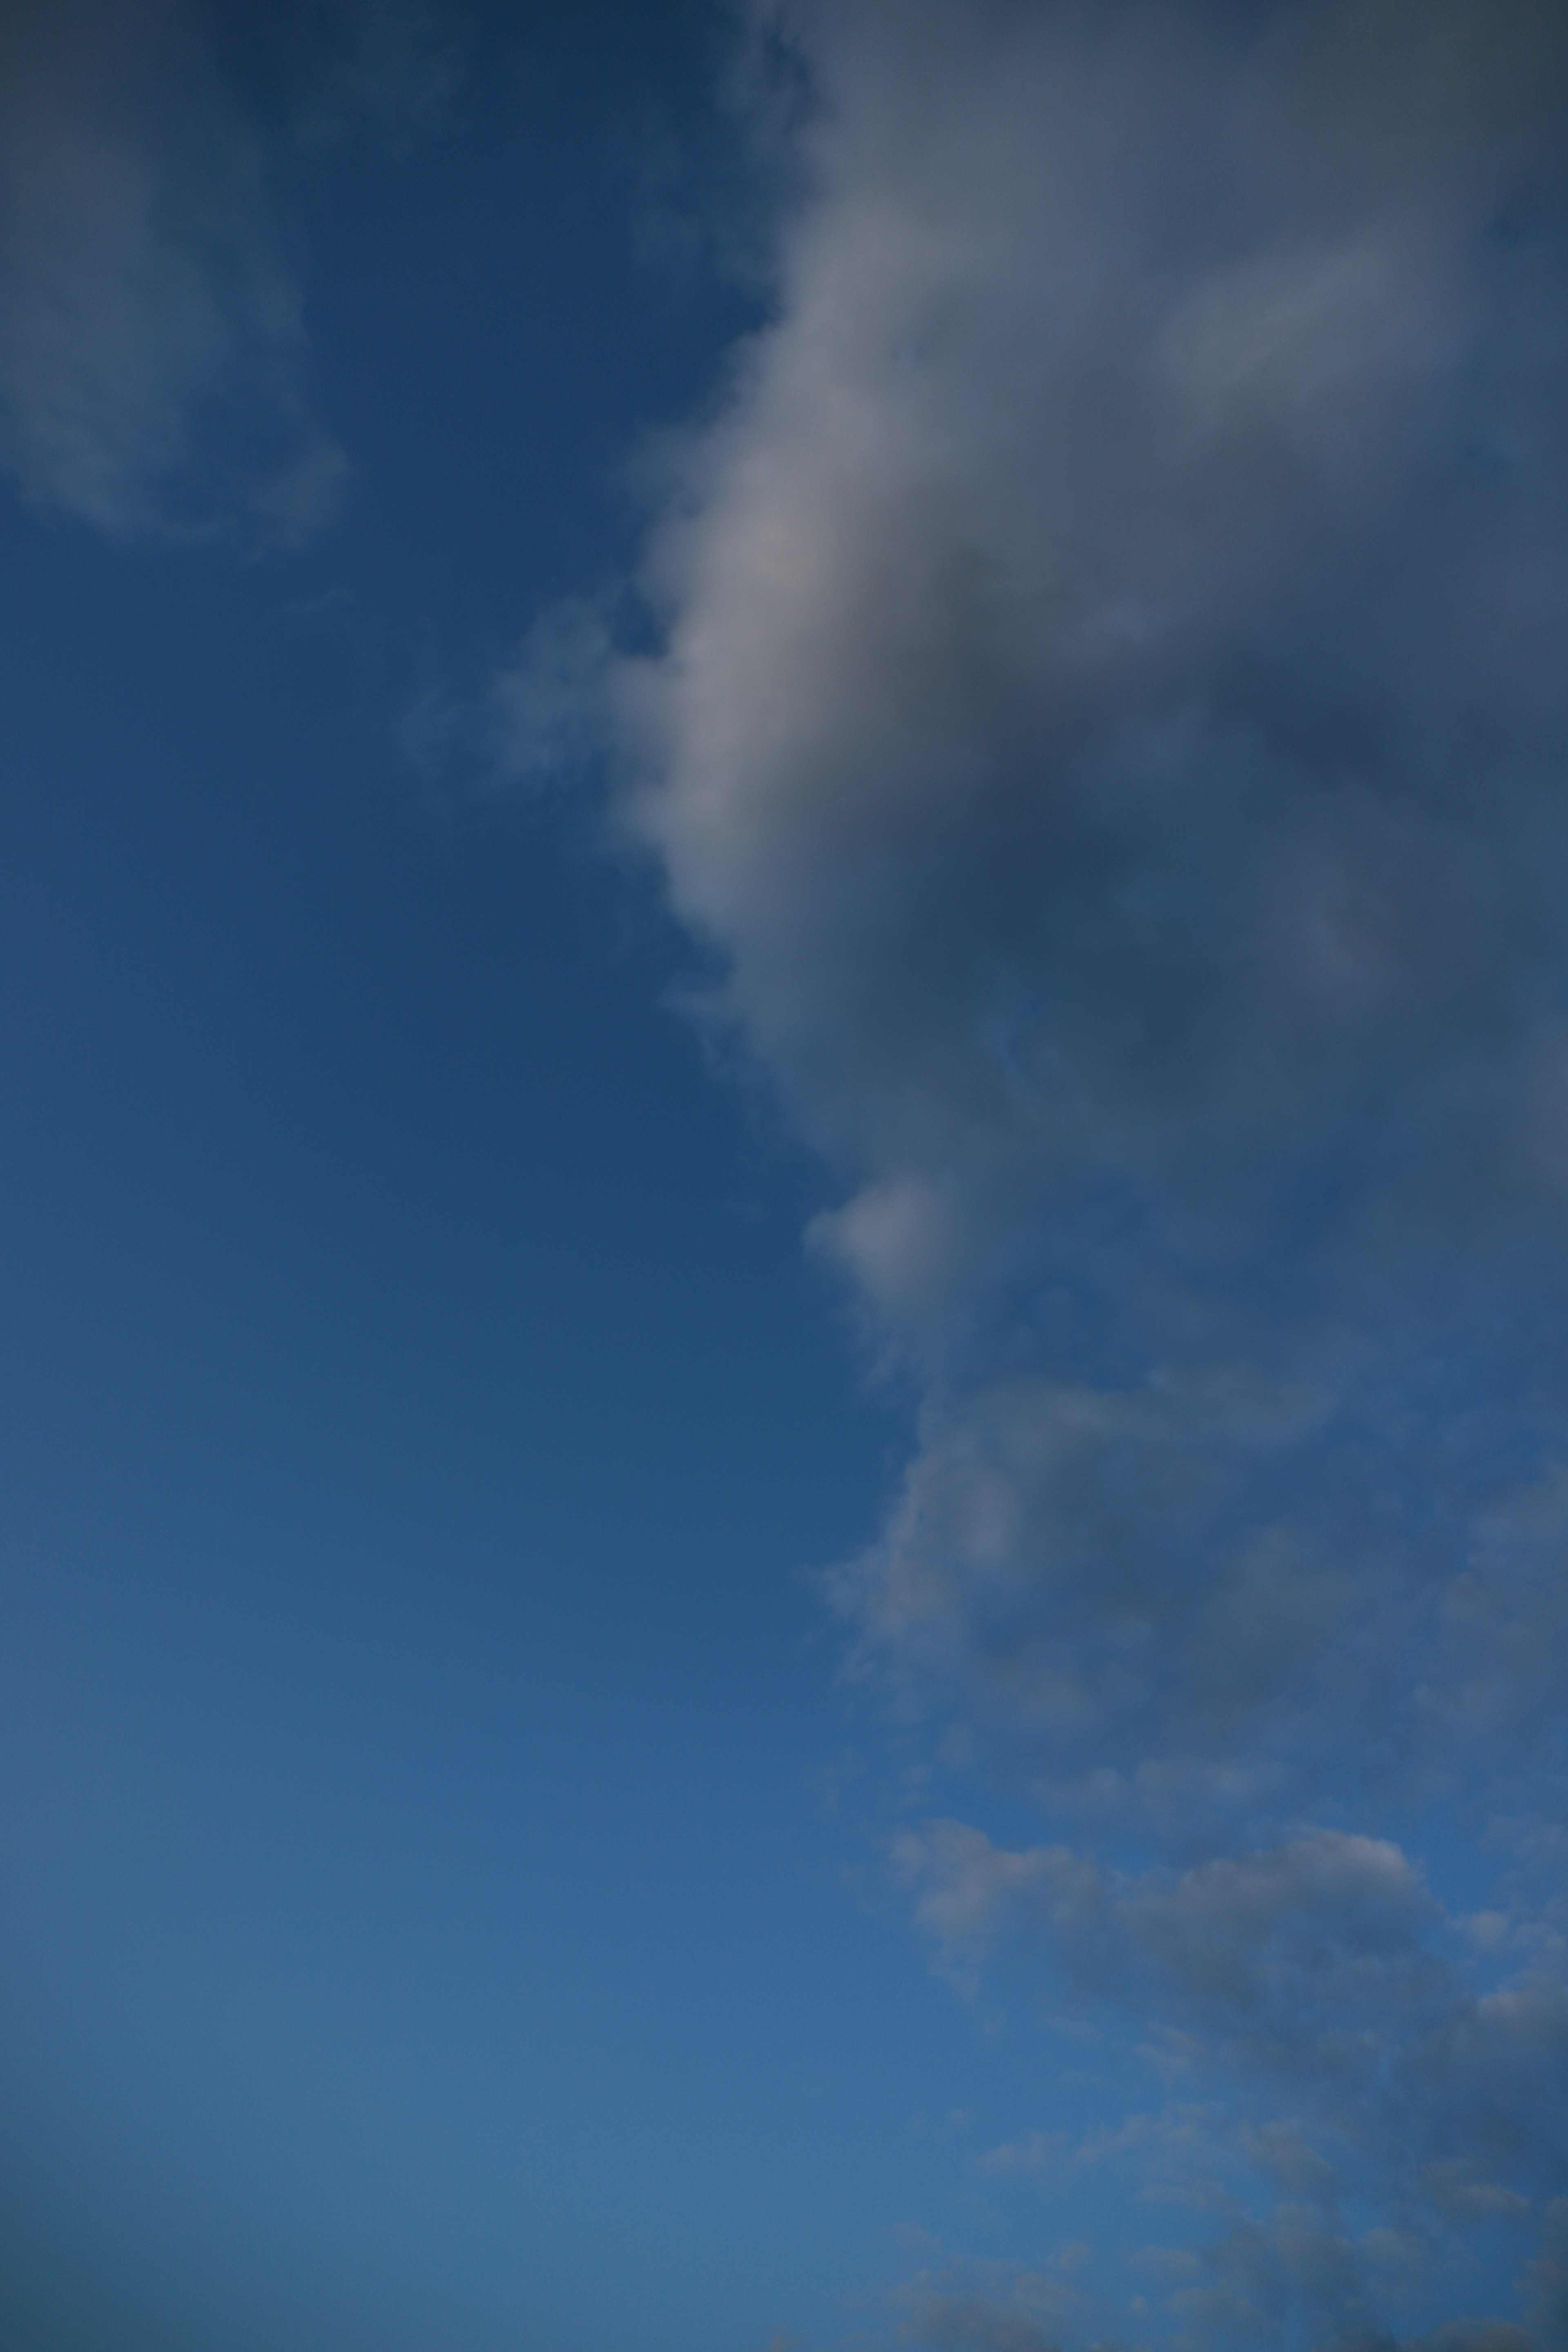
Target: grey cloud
x,y
988,2307
951,2321
1291,1951
1193,1592
1109,725
1321,1984
1038,802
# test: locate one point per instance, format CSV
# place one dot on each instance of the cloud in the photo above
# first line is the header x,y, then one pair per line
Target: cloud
x,y
1108,724
392,67
988,2307
154,363
1320,1969
546,717
951,2323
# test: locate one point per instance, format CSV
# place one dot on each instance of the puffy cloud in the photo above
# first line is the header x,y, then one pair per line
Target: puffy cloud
x,y
1109,721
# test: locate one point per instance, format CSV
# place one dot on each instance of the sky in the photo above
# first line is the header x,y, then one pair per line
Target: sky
x,y
783,996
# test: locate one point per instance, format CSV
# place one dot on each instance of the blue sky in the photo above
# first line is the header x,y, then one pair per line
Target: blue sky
x,y
784,1000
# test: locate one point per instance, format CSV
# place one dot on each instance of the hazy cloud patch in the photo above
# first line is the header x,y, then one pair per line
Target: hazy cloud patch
x,y
154,361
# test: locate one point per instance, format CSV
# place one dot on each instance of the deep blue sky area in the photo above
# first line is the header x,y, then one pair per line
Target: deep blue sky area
x,y
423,1731
417,1408
782,1472
543,273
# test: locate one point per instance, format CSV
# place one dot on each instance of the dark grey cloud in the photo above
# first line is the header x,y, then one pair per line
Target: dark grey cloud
x,y
1110,724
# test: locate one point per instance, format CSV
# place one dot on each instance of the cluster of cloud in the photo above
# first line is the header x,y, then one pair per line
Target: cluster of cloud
x,y
1109,723
1421,2057
154,364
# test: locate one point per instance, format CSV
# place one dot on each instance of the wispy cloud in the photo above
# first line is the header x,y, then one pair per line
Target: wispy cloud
x,y
1109,721
155,362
